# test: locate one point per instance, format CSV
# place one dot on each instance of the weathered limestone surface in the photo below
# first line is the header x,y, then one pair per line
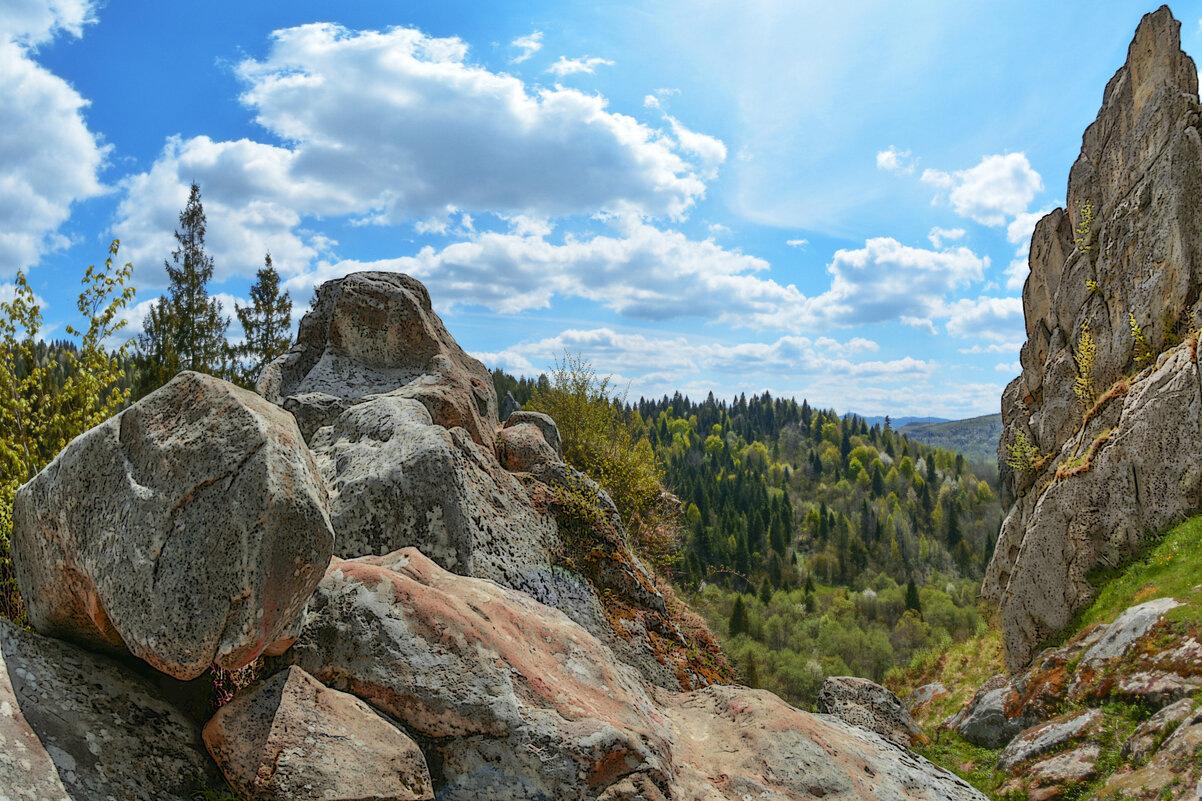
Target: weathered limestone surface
x,y
372,333
1130,469
398,480
293,739
76,726
191,528
867,704
519,702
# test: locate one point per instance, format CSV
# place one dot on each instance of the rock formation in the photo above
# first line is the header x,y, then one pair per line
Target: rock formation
x,y
74,725
867,704
376,332
292,738
495,635
1102,427
191,528
402,425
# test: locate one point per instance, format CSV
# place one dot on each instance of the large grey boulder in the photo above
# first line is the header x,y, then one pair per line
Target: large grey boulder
x,y
867,704
191,528
1129,247
372,333
75,726
985,720
398,480
519,701
516,701
293,739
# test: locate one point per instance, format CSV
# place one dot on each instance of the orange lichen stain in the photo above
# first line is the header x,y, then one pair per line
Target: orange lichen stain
x,y
611,767
1044,694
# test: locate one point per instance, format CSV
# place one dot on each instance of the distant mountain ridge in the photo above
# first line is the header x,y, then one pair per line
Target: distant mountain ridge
x,y
898,422
976,438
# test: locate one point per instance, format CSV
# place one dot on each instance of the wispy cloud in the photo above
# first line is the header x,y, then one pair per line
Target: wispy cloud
x,y
529,45
571,66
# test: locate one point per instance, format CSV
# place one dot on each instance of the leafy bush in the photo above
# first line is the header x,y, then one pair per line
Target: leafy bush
x,y
45,403
601,439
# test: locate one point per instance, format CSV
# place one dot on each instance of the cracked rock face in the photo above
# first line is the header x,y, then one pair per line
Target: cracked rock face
x,y
191,528
372,333
76,726
517,701
293,739
1118,463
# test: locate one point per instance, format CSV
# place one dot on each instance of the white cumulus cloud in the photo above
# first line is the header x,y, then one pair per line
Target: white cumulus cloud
x,y
997,320
894,160
441,133
48,157
997,188
886,280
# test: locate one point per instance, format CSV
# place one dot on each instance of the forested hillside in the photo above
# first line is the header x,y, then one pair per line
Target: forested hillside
x,y
816,544
976,438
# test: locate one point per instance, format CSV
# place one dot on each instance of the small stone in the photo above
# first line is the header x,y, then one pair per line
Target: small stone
x,y
290,738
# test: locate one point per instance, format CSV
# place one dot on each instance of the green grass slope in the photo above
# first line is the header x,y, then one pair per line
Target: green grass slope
x,y
1170,568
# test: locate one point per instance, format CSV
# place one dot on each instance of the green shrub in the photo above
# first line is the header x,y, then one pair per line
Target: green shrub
x,y
602,440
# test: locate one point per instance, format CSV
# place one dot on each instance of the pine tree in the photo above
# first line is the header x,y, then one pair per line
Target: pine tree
x,y
765,591
199,324
266,324
952,513
912,599
158,359
738,618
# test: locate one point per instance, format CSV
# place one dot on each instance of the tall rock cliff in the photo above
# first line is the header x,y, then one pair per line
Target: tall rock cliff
x,y
1103,425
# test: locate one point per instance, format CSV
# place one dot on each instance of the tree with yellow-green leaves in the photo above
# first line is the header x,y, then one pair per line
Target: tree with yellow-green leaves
x,y
602,440
46,403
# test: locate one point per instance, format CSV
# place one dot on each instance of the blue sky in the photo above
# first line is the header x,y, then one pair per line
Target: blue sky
x,y
737,197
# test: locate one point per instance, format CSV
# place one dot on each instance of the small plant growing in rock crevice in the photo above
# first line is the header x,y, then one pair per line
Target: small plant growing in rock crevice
x,y
1084,357
1084,237
1022,456
1141,351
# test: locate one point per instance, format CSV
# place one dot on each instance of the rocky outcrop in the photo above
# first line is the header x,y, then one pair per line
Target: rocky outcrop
x,y
398,480
191,528
1049,736
1098,447
517,698
293,739
867,704
517,701
1173,771
372,333
78,726
404,469
735,743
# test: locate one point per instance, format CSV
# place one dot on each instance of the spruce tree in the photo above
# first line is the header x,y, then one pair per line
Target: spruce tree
x,y
738,618
158,359
266,324
200,324
912,599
